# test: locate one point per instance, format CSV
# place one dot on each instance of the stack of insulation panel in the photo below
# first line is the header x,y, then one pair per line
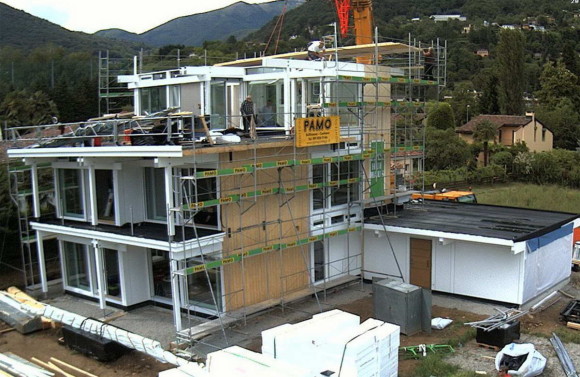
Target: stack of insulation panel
x,y
240,362
336,342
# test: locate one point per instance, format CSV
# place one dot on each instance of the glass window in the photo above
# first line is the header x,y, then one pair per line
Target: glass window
x,y
156,203
199,190
174,96
161,273
71,192
77,266
218,104
345,192
340,192
112,272
105,195
319,258
153,99
201,285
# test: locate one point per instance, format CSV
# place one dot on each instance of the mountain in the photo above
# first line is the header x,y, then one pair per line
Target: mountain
x,y
238,19
27,32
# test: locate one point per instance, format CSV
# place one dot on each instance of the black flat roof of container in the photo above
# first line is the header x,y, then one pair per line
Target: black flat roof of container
x,y
509,223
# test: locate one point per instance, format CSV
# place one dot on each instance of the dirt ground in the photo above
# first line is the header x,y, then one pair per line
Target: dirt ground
x,y
535,328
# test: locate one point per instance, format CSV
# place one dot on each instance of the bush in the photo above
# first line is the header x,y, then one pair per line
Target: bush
x,y
505,159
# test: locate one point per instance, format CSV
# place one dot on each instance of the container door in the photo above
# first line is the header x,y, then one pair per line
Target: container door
x,y
421,263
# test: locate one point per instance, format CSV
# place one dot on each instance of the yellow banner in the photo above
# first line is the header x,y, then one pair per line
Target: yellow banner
x,y
317,131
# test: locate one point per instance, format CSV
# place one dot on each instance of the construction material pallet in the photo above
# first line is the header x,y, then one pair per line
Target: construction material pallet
x,y
489,347
571,312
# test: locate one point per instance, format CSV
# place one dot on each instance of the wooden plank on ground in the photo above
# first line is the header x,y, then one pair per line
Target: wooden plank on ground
x,y
573,325
76,369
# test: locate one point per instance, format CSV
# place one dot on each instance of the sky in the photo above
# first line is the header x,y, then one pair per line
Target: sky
x,y
135,16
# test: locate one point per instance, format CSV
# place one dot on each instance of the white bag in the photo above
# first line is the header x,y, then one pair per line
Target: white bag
x,y
532,366
439,323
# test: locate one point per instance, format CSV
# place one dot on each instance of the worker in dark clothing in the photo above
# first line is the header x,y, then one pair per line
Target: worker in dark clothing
x,y
429,56
247,110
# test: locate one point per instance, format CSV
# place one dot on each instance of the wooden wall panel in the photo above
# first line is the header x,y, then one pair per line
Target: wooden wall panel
x,y
263,221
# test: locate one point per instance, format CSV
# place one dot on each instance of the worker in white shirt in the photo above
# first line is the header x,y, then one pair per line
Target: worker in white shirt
x,y
316,50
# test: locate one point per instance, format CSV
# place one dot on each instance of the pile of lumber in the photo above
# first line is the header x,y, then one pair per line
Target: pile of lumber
x,y
16,366
11,312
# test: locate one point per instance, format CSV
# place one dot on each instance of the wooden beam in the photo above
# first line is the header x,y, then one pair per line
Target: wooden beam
x,y
60,362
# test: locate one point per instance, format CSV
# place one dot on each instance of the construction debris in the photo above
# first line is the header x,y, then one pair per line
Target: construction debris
x,y
414,352
498,320
571,312
17,366
520,360
563,356
17,318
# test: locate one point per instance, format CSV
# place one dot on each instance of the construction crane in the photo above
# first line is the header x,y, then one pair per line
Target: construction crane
x,y
362,20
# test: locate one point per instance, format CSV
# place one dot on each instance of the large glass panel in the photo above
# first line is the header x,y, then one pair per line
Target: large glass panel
x,y
200,190
318,195
105,195
269,101
77,266
345,192
174,96
156,203
71,194
319,258
218,104
153,99
200,287
112,272
161,273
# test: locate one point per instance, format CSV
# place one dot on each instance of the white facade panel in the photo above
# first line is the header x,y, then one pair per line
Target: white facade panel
x,y
379,261
131,203
136,277
487,271
344,255
547,266
443,266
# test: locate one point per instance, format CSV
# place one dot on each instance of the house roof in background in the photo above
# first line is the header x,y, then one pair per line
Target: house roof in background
x,y
498,120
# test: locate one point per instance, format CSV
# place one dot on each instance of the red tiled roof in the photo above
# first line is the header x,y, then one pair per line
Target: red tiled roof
x,y
498,120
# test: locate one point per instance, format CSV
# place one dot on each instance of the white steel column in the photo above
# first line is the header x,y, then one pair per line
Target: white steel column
x,y
41,261
288,121
169,200
99,260
175,295
92,196
35,193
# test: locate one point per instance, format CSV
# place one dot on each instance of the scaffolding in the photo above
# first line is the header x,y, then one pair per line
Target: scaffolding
x,y
281,209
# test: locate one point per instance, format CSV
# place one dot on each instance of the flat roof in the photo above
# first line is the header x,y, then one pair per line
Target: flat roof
x,y
508,223
347,52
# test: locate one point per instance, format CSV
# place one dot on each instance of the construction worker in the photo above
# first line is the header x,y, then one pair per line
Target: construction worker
x,y
429,56
316,50
248,114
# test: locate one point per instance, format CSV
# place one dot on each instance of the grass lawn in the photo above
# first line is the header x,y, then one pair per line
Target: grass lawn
x,y
548,197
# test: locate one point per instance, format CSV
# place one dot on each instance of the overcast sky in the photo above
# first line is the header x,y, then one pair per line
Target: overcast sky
x,y
132,15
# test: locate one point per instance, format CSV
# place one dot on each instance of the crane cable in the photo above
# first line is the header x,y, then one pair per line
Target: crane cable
x,y
279,23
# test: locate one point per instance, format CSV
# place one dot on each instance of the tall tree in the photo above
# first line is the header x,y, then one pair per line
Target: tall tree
x,y
463,103
557,82
485,131
488,101
510,57
21,108
441,117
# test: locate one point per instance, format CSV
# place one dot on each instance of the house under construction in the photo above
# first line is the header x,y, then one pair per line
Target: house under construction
x,y
176,206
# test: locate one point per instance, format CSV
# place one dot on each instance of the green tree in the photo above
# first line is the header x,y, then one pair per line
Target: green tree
x,y
21,108
563,119
510,58
558,82
441,117
463,103
445,150
488,101
485,131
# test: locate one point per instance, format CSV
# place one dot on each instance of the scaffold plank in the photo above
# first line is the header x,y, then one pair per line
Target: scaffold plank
x,y
237,257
